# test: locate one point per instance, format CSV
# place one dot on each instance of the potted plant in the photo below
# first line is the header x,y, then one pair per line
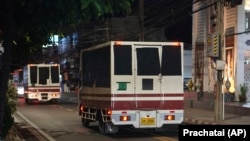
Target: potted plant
x,y
243,92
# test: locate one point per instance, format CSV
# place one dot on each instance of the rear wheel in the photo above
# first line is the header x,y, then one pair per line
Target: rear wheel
x,y
27,101
54,101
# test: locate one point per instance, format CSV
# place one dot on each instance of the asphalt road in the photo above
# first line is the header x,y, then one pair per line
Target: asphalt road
x,y
60,122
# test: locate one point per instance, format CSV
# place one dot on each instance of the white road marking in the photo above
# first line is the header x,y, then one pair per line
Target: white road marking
x,y
35,126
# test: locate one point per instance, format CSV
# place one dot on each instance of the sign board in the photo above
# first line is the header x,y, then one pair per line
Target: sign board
x,y
215,45
220,64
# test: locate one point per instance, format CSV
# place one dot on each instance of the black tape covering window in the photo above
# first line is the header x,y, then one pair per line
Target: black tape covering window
x,y
171,60
33,74
148,61
54,74
96,67
123,59
43,75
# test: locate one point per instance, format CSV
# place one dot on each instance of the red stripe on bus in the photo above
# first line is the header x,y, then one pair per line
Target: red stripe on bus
x,y
42,89
135,95
135,105
160,105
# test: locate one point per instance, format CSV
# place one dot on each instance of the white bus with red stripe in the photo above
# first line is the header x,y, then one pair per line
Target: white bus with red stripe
x,y
41,83
131,83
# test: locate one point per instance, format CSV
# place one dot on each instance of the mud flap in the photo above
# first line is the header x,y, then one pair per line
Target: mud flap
x,y
107,128
111,128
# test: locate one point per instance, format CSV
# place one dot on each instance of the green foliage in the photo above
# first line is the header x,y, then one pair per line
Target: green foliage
x,y
101,9
11,97
243,89
26,25
35,21
243,92
10,108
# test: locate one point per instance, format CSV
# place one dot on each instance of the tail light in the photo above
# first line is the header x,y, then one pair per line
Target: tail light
x,y
169,117
125,118
109,112
54,95
81,108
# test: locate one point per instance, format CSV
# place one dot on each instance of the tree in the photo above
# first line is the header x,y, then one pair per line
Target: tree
x,y
28,24
10,108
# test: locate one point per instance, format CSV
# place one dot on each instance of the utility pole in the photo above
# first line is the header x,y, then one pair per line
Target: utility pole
x,y
219,101
141,15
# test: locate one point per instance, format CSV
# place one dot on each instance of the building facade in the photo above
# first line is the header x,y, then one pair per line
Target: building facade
x,y
228,25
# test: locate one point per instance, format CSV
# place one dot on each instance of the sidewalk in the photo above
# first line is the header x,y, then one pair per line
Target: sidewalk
x,y
200,115
203,116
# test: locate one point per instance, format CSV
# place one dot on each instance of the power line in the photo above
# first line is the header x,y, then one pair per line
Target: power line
x,y
167,24
157,12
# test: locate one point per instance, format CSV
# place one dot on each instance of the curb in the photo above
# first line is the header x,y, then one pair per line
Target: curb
x,y
199,122
14,134
17,135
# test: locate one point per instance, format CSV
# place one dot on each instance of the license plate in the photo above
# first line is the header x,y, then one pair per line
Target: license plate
x,y
147,121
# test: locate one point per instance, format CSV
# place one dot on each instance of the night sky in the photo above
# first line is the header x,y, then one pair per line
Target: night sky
x,y
172,15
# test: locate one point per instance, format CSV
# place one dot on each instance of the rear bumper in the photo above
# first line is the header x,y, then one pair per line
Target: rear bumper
x,y
42,96
137,115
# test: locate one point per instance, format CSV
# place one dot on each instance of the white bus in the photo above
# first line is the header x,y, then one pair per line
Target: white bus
x,y
138,84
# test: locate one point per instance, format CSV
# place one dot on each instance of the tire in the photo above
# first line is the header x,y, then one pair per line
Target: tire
x,y
54,101
27,101
85,122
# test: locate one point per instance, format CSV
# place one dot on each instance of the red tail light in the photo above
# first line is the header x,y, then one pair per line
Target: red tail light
x,y
81,108
109,112
169,117
125,118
